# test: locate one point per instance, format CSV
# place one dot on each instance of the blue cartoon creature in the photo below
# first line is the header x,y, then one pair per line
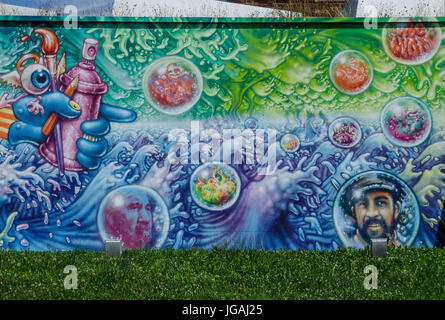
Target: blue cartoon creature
x,y
60,112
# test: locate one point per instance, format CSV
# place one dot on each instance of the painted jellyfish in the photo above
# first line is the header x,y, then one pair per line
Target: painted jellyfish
x,y
172,85
406,121
137,215
251,123
411,42
344,132
215,186
290,143
351,72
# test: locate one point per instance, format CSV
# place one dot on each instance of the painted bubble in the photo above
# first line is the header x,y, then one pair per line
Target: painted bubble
x,y
351,72
215,186
344,132
137,215
411,41
376,204
290,143
251,123
406,121
172,85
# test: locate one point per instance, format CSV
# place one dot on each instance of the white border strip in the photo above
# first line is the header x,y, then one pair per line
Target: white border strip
x,y
401,8
167,8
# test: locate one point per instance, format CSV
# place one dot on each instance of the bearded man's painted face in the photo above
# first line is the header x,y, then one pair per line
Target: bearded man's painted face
x,y
375,214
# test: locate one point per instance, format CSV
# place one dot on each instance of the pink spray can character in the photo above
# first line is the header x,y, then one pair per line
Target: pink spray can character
x,y
88,94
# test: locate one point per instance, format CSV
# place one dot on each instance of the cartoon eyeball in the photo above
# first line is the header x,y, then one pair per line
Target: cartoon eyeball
x,y
35,79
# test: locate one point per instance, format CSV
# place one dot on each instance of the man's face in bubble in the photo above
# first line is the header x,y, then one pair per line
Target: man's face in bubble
x,y
375,214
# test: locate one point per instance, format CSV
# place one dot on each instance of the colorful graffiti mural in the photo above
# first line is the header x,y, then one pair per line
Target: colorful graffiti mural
x,y
235,133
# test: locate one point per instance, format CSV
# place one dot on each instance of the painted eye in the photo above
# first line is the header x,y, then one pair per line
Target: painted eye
x,y
40,79
381,204
35,79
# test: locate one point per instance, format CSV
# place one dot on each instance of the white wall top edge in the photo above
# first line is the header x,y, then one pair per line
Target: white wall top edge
x,y
213,8
190,8
167,8
401,8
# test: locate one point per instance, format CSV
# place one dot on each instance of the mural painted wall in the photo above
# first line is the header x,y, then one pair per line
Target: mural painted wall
x,y
252,133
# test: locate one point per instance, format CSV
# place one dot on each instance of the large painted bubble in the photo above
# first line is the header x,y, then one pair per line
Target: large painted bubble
x,y
411,42
376,204
344,132
406,121
215,186
351,72
172,85
137,215
290,143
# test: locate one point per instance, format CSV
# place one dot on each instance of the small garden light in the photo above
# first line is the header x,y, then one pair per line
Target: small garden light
x,y
113,248
379,247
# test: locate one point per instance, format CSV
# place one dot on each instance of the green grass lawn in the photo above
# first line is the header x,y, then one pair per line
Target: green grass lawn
x,y
223,274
